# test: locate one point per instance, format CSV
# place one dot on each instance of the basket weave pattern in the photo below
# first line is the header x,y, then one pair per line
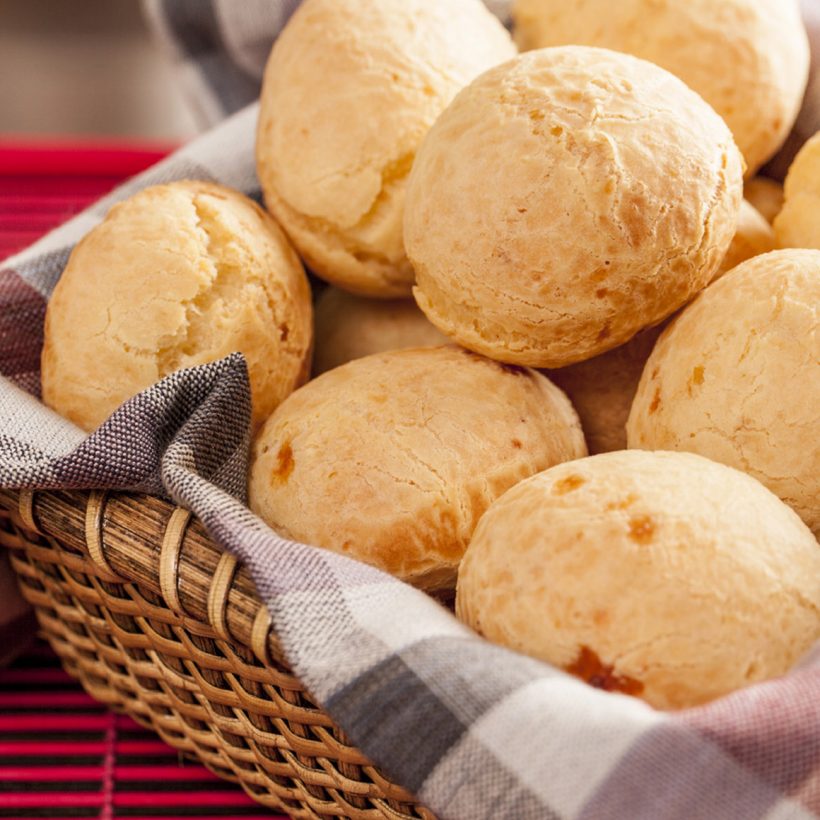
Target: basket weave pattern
x,y
159,623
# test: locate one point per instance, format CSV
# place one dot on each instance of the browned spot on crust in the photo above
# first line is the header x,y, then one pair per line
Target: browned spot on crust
x,y
641,529
605,333
623,503
599,275
284,463
655,372
656,400
568,484
589,667
601,292
695,379
517,444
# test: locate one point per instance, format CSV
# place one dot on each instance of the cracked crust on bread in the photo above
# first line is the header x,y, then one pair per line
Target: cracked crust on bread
x,y
736,378
176,275
350,89
392,458
661,575
564,201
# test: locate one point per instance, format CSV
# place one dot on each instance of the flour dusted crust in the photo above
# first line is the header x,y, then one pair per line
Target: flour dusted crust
x,y
765,195
798,223
176,275
350,90
350,327
753,236
736,378
391,459
564,201
660,575
749,59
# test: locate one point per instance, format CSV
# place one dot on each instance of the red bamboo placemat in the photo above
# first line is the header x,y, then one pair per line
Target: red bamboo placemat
x,y
63,755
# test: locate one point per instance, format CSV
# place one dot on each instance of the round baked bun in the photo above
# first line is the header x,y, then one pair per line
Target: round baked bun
x,y
602,388
175,276
392,459
753,236
564,201
350,327
798,223
661,575
350,89
749,59
765,195
736,378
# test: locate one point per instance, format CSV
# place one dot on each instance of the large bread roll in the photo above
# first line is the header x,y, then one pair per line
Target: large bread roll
x,y
564,201
660,575
736,378
350,90
176,275
749,59
393,458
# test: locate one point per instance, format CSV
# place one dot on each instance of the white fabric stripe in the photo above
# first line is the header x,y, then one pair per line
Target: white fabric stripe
x,y
789,810
380,611
531,727
27,420
66,234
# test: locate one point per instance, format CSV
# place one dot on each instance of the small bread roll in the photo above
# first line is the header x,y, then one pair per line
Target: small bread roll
x,y
350,90
350,327
175,276
765,195
736,378
753,236
564,201
392,459
602,388
660,575
798,223
749,59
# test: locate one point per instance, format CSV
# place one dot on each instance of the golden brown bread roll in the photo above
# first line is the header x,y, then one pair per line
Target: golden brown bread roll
x,y
736,378
350,327
391,459
350,90
176,275
749,59
564,201
660,575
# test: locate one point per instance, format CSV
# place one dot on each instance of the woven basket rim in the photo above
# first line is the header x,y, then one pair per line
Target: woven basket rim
x,y
118,532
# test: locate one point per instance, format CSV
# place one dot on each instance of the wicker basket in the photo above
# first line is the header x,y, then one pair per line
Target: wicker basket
x,y
156,621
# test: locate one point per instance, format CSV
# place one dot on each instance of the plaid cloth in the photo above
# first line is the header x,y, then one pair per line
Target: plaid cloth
x,y
474,730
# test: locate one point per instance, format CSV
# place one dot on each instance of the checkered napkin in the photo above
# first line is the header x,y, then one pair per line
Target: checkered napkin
x,y
474,730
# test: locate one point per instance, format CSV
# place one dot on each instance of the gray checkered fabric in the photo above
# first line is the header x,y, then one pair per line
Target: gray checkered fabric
x,y
474,730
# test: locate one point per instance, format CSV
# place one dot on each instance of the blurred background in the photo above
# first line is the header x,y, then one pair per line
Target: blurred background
x,y
86,68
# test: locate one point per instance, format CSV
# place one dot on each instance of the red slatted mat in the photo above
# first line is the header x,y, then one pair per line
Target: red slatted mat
x,y
63,755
